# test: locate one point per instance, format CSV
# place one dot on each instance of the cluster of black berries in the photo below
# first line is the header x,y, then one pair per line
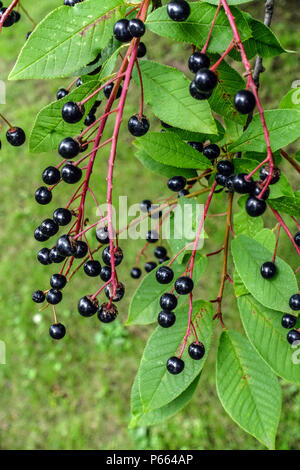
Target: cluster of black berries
x,y
205,80
289,321
242,184
166,318
11,19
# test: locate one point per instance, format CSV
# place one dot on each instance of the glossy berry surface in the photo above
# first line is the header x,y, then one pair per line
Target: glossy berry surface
x,y
168,301
255,207
39,235
109,88
43,256
149,266
72,112
152,236
118,256
176,183
198,61
49,227
297,239
205,80
197,94
58,281
268,270
264,173
54,296
102,235
178,10
92,268
242,185
43,195
51,175
160,252
196,351
81,249
138,126
105,273
184,285
197,146
288,321
244,102
15,136
175,365
225,167
90,119
68,148
55,256
87,307
61,93
221,179
166,319
142,50
135,273
136,28
164,275
294,302
121,31
66,246
107,314
57,331
62,216
38,296
257,190
71,174
211,151
229,183
293,336
119,294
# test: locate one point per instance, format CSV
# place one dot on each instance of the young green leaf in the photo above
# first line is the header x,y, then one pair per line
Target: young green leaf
x,y
161,169
248,389
268,337
243,223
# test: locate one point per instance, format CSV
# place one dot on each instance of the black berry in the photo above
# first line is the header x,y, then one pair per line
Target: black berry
x,y
109,88
160,252
107,314
15,136
197,94
71,174
49,227
196,145
297,239
54,296
135,273
264,173
258,189
121,31
81,250
61,93
152,236
268,270
177,183
255,207
39,235
166,319
55,256
68,148
178,10
225,167
58,281
87,307
138,126
293,335
105,273
38,296
43,195
149,266
164,275
90,119
120,291
145,205
66,246
288,321
205,80
118,255
51,175
62,216
57,331
175,365
242,185
43,256
168,301
294,302
142,50
244,101
198,61
102,235
196,351
211,151
92,268
72,112
184,285
221,179
136,28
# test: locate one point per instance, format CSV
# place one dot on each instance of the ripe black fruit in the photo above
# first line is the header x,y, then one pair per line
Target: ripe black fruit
x,y
205,80
81,250
54,296
68,148
211,151
120,291
196,351
90,119
102,235
244,101
297,239
135,273
71,174
72,112
242,185
55,256
184,285
264,173
142,50
166,319
288,321
221,179
255,207
43,195
62,216
66,246
39,235
109,88
196,145
198,61
121,30
15,136
118,256
176,183
61,93
197,94
58,281
43,256
138,126
225,167
38,296
293,335
105,273
268,270
87,307
152,236
229,183
107,314
57,331
9,20
149,266
51,175
164,275
49,227
136,28
160,252
168,301
257,190
175,365
92,268
294,302
178,10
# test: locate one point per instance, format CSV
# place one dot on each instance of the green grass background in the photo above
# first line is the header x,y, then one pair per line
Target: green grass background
x,y
74,394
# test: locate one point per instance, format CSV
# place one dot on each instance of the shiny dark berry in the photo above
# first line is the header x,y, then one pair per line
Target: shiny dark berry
x,y
58,281
160,252
9,20
196,351
145,205
109,88
90,119
43,195
221,179
81,250
229,183
61,93
242,185
255,207
293,336
51,175
196,145
152,236
135,273
211,151
166,319
142,50
138,126
225,167
205,80
39,235
178,10
258,189
68,148
38,296
107,314
268,270
49,227
175,365
43,256
244,102
198,61
102,235
264,173
197,94
297,238
87,307
92,268
79,81
120,291
105,273
57,331
72,112
121,31
149,266
294,302
136,28
54,296
288,321
184,285
177,183
66,246
168,301
15,136
183,193
62,216
164,275
71,174
118,256
55,256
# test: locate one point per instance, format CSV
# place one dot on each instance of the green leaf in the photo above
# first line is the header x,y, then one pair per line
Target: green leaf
x,y
284,128
264,330
198,136
67,39
243,223
161,169
158,415
157,386
288,205
239,286
291,100
169,149
166,91
196,28
248,389
144,307
248,256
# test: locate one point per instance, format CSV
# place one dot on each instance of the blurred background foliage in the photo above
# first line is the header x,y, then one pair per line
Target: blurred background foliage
x,y
74,394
